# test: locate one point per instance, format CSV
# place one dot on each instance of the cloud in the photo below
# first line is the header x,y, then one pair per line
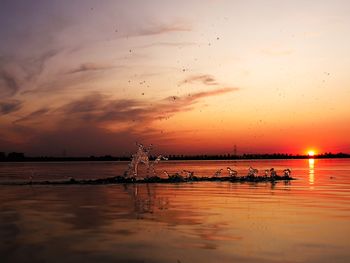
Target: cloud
x,y
33,116
199,95
183,103
86,67
7,107
99,124
186,103
71,78
34,66
8,84
98,108
164,28
169,44
204,79
19,73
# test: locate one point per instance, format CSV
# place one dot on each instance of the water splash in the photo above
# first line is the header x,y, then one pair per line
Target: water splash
x,y
159,158
167,174
218,173
287,172
142,156
174,177
273,173
187,174
252,172
151,168
180,176
267,173
231,172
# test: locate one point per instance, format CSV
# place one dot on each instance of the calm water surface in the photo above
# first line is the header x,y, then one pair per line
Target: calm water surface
x,y
307,220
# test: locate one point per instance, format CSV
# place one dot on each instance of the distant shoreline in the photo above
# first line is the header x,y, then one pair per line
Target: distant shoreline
x,y
176,158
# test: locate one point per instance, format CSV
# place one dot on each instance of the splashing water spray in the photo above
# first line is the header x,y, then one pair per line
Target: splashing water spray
x,y
142,156
231,172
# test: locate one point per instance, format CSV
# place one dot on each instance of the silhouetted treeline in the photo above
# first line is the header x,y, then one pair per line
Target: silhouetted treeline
x,y
11,156
20,157
256,156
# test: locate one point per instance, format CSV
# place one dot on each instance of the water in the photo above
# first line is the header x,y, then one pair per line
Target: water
x,y
142,157
307,220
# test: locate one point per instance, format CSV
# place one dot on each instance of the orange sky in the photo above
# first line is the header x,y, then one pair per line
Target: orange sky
x,y
92,77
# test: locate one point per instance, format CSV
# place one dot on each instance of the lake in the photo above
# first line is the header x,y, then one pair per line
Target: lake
x,y
306,220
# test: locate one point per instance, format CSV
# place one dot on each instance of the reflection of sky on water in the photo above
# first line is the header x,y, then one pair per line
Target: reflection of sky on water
x,y
192,222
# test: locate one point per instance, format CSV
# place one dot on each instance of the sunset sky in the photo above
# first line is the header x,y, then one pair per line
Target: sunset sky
x,y
190,77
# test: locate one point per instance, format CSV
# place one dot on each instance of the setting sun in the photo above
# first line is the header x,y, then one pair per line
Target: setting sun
x,y
311,153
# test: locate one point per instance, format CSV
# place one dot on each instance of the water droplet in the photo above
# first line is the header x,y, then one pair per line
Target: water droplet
x,y
232,173
142,157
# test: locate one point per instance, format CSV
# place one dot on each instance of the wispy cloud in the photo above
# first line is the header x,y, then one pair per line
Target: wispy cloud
x,y
71,78
33,116
204,79
99,108
199,95
87,67
157,29
10,106
18,73
8,84
34,66
169,44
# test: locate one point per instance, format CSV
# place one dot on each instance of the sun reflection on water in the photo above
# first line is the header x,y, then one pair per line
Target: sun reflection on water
x,y
311,171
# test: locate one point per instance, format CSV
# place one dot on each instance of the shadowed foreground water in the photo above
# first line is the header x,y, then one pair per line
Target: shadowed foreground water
x,y
307,220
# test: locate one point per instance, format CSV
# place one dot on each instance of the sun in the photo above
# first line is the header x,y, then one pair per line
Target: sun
x,y
311,153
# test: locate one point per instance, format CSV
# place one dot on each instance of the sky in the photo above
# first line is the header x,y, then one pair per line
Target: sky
x,y
190,77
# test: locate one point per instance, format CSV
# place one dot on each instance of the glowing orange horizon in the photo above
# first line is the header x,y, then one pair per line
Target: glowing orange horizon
x,y
311,153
